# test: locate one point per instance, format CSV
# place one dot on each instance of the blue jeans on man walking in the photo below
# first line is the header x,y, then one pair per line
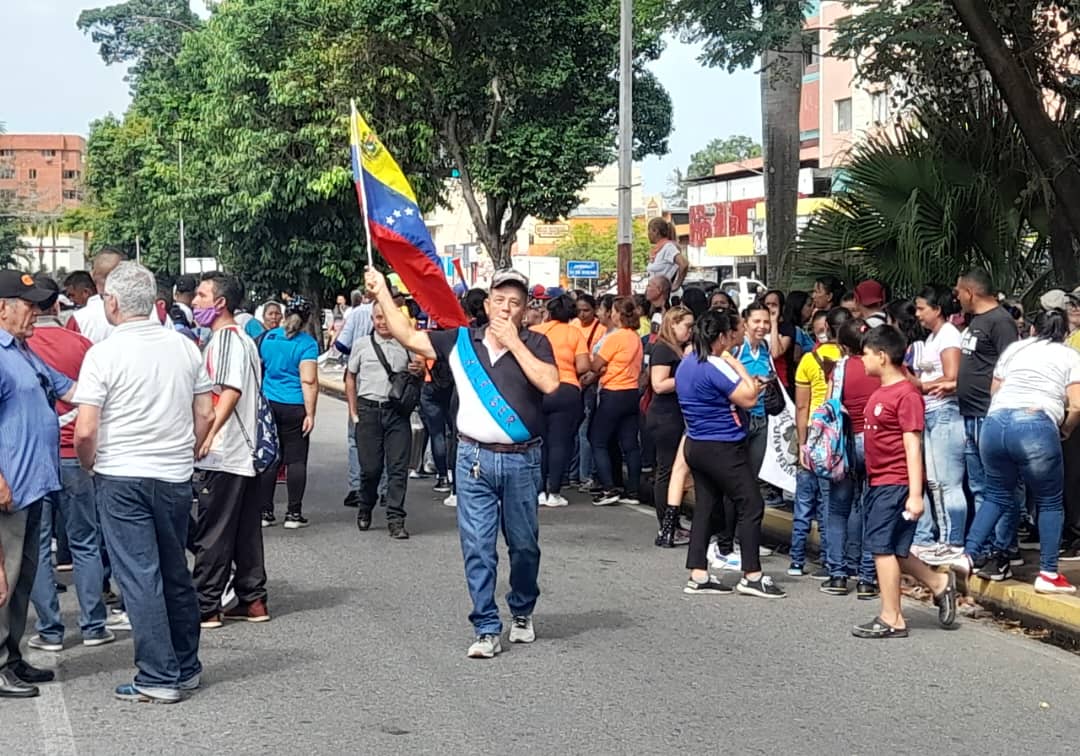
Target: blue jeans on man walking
x,y
1020,445
79,517
145,524
498,492
845,555
811,503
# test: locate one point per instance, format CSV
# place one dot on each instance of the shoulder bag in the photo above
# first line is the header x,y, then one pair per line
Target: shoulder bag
x,y
404,392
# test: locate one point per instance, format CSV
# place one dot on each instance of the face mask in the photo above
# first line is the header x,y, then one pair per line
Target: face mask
x,y
205,316
823,337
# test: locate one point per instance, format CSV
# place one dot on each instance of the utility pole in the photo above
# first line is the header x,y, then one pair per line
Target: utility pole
x,y
626,146
180,159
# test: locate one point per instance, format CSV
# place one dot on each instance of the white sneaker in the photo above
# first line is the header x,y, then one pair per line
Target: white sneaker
x,y
521,631
118,621
450,501
43,645
541,499
485,647
103,639
556,500
228,597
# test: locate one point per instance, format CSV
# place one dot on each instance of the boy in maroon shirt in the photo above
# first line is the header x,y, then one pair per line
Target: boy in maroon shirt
x,y
894,467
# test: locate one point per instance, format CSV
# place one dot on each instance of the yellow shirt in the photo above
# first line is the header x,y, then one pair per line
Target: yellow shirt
x,y
1074,340
809,373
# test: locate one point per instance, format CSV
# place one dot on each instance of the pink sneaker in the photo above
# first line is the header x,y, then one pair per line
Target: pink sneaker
x,y
1046,584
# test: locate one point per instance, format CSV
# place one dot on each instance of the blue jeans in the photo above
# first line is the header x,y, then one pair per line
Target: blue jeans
x,y
1020,445
435,413
498,492
354,460
811,503
145,523
79,517
845,555
976,472
584,467
944,443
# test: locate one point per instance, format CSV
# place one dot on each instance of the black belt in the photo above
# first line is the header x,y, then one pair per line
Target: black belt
x,y
500,448
373,404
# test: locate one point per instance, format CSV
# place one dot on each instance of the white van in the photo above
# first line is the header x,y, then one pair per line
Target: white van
x,y
744,290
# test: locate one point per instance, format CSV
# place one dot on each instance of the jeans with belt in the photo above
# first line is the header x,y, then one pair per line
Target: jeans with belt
x,y
1020,445
79,517
497,492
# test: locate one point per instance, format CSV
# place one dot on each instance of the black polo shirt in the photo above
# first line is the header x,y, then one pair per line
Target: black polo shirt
x,y
496,402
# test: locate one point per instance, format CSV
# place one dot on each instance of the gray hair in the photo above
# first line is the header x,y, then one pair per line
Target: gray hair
x,y
356,297
664,283
134,289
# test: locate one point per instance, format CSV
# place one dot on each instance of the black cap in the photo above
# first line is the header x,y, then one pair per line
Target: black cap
x,y
510,278
15,284
186,284
47,282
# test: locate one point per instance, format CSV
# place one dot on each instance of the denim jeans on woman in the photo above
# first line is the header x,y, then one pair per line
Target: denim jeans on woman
x,y
944,519
497,492
1020,445
584,469
80,519
811,503
845,554
976,473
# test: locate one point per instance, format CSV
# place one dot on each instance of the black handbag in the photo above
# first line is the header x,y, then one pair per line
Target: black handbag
x,y
404,394
774,400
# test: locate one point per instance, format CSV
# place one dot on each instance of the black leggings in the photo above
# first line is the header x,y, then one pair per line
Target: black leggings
x,y
562,416
617,416
722,469
293,454
666,431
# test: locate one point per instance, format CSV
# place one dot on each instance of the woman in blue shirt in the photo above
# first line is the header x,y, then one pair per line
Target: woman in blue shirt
x,y
291,387
712,387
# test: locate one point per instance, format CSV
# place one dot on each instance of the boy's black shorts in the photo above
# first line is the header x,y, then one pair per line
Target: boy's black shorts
x,y
886,531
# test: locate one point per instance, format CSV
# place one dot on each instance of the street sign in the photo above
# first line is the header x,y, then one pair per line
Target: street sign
x,y
582,269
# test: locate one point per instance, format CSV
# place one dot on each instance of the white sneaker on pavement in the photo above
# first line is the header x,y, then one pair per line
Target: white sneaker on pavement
x,y
556,500
118,620
541,499
521,630
485,647
450,501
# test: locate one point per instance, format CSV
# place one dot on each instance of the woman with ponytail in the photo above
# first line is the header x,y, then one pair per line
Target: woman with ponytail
x,y
291,387
712,387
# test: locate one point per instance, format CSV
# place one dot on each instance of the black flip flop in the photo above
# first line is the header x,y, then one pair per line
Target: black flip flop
x,y
878,628
946,602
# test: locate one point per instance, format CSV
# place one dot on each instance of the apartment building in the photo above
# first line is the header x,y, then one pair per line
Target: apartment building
x,y
41,173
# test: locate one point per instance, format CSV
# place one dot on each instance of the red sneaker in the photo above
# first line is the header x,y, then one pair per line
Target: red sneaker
x,y
256,611
1046,584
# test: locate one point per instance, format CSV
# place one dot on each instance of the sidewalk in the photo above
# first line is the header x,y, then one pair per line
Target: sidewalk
x,y
1016,598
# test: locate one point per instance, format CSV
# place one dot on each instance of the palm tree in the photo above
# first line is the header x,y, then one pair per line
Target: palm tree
x,y
952,189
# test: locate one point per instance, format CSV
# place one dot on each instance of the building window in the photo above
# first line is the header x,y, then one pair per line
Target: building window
x,y
7,153
843,114
7,195
811,49
7,173
71,194
48,153
879,107
71,174
32,173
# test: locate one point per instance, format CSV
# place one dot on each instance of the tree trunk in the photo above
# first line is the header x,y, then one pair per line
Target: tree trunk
x,y
781,93
1025,100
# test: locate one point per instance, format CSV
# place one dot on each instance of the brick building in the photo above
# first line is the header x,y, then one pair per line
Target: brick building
x,y
41,173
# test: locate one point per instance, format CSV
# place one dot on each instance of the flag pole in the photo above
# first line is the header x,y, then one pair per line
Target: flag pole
x,y
355,132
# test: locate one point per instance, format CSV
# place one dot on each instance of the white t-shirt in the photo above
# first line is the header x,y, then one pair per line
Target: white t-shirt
x,y
232,361
91,320
664,263
1035,374
929,365
144,378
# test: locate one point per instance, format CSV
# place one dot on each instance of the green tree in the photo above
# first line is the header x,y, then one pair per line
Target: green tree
x,y
737,34
588,243
729,150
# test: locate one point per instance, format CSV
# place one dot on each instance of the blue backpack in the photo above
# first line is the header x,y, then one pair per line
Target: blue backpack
x,y
827,448
264,447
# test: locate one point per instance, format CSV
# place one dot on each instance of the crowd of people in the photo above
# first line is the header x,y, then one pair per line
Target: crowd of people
x,y
930,436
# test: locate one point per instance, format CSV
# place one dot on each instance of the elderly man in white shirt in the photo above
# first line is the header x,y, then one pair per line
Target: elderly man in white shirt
x,y
144,408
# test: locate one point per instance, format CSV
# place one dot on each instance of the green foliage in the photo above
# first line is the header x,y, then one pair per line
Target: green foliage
x,y
734,33
729,150
951,191
588,243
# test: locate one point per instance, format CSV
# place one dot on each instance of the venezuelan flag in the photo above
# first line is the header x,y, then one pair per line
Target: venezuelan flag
x,y
397,226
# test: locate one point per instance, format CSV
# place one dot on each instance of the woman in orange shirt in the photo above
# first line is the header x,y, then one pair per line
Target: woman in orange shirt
x,y
562,409
618,361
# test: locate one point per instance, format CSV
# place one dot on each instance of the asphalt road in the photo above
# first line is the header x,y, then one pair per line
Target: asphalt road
x,y
366,654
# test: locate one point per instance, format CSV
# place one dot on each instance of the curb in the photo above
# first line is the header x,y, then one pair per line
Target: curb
x,y
1010,597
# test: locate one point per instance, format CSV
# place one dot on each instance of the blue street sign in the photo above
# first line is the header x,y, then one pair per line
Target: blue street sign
x,y
582,269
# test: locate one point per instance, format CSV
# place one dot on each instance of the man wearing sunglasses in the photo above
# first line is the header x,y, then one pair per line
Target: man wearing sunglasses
x,y
29,468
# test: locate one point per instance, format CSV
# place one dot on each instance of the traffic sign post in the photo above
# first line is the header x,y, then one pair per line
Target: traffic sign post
x,y
583,269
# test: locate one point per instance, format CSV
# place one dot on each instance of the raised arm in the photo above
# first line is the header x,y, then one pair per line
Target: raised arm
x,y
400,327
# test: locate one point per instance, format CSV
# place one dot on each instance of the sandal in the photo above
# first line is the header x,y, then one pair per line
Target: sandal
x,y
878,629
946,602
